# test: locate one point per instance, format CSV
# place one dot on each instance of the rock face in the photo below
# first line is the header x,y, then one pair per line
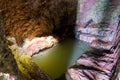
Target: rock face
x,y
101,30
28,19
37,44
100,38
97,64
9,66
97,23
35,25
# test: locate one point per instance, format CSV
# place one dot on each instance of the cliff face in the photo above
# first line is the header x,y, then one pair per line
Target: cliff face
x,y
98,24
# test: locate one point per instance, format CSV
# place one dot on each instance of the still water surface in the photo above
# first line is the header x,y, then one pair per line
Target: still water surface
x,y
56,60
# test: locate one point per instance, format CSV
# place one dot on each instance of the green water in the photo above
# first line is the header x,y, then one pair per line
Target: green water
x,y
56,60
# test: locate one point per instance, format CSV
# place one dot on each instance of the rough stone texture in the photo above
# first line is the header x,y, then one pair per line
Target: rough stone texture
x,y
7,61
97,65
37,18
98,24
31,19
8,66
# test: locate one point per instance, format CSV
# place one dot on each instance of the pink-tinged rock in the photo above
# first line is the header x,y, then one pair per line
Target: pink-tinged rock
x,y
99,63
93,66
96,65
100,38
37,44
6,76
98,25
83,74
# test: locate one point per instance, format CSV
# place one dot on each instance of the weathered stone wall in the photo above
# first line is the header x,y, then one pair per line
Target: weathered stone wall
x,y
98,24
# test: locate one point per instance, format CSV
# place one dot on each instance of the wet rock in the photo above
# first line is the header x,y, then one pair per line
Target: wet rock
x,y
30,47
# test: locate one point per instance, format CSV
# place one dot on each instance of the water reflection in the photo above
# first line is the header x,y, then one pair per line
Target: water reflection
x,y
56,60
